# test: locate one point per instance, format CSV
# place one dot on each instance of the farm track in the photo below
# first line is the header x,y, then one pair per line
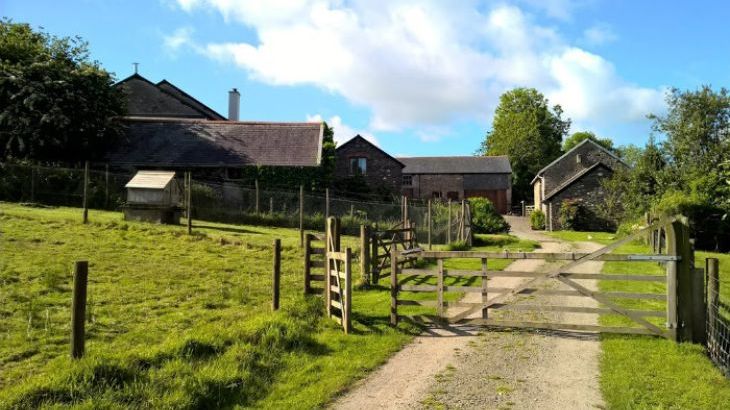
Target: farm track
x,y
469,367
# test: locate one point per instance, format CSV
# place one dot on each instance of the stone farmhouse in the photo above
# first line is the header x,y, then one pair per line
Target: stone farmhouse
x,y
168,129
360,157
577,176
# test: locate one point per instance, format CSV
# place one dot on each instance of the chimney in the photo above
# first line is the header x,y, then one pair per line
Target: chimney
x,y
234,101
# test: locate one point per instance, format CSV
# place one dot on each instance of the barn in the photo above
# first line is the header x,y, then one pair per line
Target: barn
x,y
457,178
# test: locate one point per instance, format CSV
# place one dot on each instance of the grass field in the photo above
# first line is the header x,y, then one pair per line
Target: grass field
x,y
647,372
175,321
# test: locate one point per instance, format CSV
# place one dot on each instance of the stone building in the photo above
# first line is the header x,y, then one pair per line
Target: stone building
x,y
359,157
457,178
575,176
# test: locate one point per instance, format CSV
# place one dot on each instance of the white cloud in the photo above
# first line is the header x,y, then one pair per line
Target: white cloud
x,y
343,132
424,64
599,34
179,38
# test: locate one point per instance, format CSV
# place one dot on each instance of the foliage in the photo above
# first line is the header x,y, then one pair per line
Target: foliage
x,y
572,215
529,132
56,105
581,136
458,246
537,220
485,218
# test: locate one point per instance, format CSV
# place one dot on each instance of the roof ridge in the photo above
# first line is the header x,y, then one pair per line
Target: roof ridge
x,y
185,94
207,121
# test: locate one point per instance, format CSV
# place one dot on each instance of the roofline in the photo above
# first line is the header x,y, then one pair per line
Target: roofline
x,y
585,141
189,96
206,121
201,165
460,156
456,173
575,178
373,145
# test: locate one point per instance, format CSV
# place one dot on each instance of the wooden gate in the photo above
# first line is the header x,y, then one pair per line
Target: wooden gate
x,y
338,277
314,261
684,297
382,243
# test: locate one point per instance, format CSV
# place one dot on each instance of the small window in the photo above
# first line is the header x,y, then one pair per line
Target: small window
x,y
579,159
407,180
358,166
452,195
436,194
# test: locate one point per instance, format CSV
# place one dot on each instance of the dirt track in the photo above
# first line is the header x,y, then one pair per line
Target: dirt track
x,y
467,367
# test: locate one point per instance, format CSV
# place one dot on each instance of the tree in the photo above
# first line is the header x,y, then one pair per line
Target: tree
x,y
581,136
56,105
529,132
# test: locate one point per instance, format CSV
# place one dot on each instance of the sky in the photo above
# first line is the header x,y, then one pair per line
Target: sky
x,y
417,77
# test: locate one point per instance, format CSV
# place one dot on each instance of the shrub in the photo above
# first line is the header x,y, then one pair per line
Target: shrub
x,y
710,230
485,218
458,246
537,220
572,215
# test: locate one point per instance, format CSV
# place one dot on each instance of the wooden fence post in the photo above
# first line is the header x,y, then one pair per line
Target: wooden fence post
x,y
713,292
301,215
365,253
307,263
485,286
257,197
352,211
394,287
448,228
440,289
86,191
326,203
189,201
462,233
271,205
430,224
106,186
680,280
78,309
374,261
523,210
32,183
347,303
276,274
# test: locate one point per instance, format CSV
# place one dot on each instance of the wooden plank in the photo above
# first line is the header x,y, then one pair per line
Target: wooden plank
x,y
317,278
560,326
428,303
307,262
393,287
440,290
317,251
418,288
621,277
316,264
336,304
561,292
337,274
485,287
347,313
462,304
316,291
466,289
340,256
572,309
547,256
78,309
276,275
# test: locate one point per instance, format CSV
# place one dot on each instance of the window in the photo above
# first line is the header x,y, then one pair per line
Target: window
x,y
407,180
436,194
358,166
452,195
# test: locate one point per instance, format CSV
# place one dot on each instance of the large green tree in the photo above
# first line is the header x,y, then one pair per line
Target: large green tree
x,y
529,132
56,104
580,136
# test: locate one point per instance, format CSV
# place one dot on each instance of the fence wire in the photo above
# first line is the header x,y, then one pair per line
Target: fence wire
x,y
718,330
231,201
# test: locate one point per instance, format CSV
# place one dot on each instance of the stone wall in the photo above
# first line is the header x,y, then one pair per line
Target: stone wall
x,y
382,169
424,185
589,192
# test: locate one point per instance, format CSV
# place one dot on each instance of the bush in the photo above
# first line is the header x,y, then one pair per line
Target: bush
x,y
572,215
709,228
458,246
485,218
537,220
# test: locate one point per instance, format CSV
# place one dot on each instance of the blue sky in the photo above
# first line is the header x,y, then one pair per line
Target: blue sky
x,y
418,77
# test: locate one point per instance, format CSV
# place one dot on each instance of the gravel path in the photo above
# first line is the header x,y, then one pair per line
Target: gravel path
x,y
465,367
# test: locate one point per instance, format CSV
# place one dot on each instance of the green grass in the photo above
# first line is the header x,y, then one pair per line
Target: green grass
x,y
174,321
648,372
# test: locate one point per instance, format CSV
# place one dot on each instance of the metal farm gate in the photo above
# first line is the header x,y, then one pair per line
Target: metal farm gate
x,y
684,313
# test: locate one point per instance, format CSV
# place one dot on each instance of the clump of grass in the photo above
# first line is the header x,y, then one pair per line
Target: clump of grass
x,y
458,246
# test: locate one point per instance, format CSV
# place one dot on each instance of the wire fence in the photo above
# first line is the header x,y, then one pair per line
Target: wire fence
x,y
718,319
230,201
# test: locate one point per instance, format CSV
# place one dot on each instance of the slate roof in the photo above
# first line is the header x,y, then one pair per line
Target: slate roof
x,y
146,99
456,165
585,141
177,142
151,179
575,178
